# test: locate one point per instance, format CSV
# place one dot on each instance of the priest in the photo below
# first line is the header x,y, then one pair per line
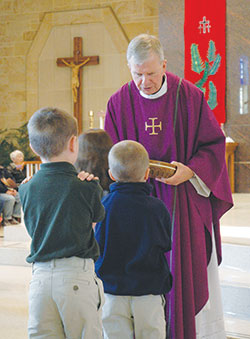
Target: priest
x,y
173,121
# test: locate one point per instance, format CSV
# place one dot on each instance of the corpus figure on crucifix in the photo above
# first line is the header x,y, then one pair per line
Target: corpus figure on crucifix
x,y
75,75
76,63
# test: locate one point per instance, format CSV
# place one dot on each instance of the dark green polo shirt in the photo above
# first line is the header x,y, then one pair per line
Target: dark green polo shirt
x,y
59,210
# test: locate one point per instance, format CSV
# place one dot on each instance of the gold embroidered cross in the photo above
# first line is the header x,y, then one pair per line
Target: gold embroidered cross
x,y
153,126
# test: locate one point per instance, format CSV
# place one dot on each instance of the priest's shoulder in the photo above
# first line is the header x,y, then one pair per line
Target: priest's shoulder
x,y
191,89
187,88
120,93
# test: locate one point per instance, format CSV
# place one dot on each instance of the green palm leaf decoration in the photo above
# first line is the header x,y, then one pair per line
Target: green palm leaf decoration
x,y
211,51
197,63
199,66
212,99
204,78
215,65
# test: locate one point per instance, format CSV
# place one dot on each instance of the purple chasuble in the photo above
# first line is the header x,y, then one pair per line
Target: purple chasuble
x,y
199,143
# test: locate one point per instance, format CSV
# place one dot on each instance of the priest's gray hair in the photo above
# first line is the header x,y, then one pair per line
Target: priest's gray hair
x,y
128,161
142,46
49,131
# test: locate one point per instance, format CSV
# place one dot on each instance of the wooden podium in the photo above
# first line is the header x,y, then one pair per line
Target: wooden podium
x,y
230,151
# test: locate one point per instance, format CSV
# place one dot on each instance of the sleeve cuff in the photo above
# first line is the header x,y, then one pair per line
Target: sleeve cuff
x,y
200,187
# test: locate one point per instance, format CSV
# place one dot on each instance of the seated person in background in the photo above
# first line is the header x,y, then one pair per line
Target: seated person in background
x,y
10,196
65,296
94,146
16,167
133,238
1,208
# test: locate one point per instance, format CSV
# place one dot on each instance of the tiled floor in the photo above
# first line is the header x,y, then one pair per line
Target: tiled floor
x,y
14,284
235,268
14,280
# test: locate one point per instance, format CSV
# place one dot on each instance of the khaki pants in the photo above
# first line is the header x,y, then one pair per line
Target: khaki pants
x,y
126,317
65,300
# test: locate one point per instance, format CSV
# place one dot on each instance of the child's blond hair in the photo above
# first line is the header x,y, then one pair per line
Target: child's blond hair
x,y
128,161
49,131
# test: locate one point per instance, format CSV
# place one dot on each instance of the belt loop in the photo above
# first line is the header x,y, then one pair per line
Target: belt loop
x,y
52,263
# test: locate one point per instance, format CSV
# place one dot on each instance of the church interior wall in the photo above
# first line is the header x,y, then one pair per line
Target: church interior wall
x,y
50,85
237,126
20,21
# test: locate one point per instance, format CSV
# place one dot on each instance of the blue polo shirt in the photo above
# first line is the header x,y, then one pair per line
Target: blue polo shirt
x,y
133,239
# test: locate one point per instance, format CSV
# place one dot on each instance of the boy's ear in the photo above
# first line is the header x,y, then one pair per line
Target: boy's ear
x,y
111,176
147,174
72,143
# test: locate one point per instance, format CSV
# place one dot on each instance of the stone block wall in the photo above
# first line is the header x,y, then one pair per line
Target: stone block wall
x,y
19,24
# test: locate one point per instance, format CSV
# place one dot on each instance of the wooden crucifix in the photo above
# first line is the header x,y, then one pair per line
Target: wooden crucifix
x,y
76,63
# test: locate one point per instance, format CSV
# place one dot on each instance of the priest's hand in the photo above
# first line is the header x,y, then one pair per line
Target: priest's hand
x,y
182,174
86,176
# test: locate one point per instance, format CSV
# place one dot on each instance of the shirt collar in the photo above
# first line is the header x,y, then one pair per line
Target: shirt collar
x,y
158,94
131,187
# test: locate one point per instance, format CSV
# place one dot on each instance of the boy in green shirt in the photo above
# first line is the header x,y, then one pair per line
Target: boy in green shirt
x,y
65,295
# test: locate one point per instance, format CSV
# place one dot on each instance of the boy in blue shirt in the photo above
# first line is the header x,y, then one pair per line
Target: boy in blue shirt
x,y
65,296
133,238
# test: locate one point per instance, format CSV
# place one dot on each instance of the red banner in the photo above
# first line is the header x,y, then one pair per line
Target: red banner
x,y
205,64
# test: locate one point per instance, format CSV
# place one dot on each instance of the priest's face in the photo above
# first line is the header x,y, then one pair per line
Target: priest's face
x,y
148,76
